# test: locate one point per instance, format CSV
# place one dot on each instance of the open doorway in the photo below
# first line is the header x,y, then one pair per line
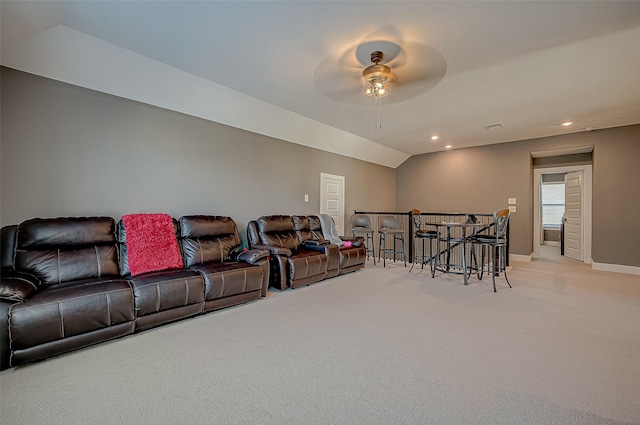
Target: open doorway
x,y
562,226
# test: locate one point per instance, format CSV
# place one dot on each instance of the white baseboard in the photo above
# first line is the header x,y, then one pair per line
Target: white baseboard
x,y
615,268
551,243
518,257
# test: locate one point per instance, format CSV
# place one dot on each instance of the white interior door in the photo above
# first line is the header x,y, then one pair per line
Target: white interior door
x,y
573,226
332,199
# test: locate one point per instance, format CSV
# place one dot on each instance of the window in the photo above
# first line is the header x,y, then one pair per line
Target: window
x,y
552,204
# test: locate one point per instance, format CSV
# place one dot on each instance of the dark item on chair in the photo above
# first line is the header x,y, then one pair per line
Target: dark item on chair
x,y
361,225
423,234
389,226
496,246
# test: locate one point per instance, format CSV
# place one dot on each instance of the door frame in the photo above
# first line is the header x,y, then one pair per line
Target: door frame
x,y
342,197
587,196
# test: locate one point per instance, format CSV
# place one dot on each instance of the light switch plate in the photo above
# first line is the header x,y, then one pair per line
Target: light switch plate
x,y
512,208
512,201
306,198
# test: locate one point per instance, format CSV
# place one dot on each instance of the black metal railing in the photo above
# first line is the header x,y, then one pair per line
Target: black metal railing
x,y
405,219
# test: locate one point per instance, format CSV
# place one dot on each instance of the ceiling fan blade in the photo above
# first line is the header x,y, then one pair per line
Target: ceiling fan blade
x,y
422,70
399,61
336,83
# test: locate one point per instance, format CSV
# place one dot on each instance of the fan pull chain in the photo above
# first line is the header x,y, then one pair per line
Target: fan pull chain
x,y
378,103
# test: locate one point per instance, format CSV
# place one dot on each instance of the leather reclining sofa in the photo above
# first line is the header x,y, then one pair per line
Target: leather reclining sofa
x,y
66,282
300,253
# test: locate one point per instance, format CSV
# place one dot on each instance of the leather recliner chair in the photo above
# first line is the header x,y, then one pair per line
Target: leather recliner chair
x,y
211,246
294,263
161,296
72,294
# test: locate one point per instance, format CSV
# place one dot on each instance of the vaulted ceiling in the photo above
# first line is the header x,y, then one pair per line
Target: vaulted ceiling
x,y
293,70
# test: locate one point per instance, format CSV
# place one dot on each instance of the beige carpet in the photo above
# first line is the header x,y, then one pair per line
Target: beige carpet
x,y
379,346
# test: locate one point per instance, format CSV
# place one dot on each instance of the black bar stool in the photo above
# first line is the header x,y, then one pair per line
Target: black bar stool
x,y
423,235
496,245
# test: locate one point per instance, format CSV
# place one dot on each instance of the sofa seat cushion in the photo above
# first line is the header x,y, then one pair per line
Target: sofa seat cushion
x,y
165,290
305,263
229,278
352,256
70,309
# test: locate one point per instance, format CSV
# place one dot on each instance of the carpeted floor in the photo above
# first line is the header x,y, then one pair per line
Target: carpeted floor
x,y
379,346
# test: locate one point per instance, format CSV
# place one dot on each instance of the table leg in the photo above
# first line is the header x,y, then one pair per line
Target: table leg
x,y
448,247
464,256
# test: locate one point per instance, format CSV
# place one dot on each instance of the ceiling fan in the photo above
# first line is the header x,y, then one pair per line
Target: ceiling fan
x,y
377,83
397,71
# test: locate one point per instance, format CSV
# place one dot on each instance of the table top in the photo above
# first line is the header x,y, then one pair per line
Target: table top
x,y
455,224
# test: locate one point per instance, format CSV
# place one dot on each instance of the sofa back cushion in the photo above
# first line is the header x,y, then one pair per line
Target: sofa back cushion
x,y
277,230
123,255
315,226
207,238
303,228
57,250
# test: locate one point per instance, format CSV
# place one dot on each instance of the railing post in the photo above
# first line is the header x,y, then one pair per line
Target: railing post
x,y
508,243
410,239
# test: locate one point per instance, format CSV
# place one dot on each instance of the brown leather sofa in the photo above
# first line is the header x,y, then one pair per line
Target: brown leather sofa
x,y
300,255
65,282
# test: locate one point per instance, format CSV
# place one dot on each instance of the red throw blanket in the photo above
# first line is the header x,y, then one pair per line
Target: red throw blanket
x,y
151,243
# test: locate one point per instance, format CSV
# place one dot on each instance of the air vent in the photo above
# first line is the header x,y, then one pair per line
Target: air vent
x,y
493,126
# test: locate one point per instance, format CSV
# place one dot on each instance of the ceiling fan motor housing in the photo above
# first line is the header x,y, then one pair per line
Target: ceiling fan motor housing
x,y
377,72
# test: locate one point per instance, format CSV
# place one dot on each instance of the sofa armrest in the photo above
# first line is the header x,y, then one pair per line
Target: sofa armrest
x,y
312,242
252,255
274,249
17,286
5,350
319,248
355,240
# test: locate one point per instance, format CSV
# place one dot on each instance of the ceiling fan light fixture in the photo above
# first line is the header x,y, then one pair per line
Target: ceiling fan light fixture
x,y
376,83
376,77
376,88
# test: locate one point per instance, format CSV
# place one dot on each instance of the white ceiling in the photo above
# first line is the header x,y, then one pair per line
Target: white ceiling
x,y
290,69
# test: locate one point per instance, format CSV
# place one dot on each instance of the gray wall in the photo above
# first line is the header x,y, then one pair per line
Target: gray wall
x,y
70,151
551,235
616,197
66,150
481,179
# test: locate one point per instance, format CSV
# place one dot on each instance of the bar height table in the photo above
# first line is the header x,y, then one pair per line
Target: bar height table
x,y
461,240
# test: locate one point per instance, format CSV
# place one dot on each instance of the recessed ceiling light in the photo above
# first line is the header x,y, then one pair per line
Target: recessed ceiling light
x,y
448,146
434,137
567,124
